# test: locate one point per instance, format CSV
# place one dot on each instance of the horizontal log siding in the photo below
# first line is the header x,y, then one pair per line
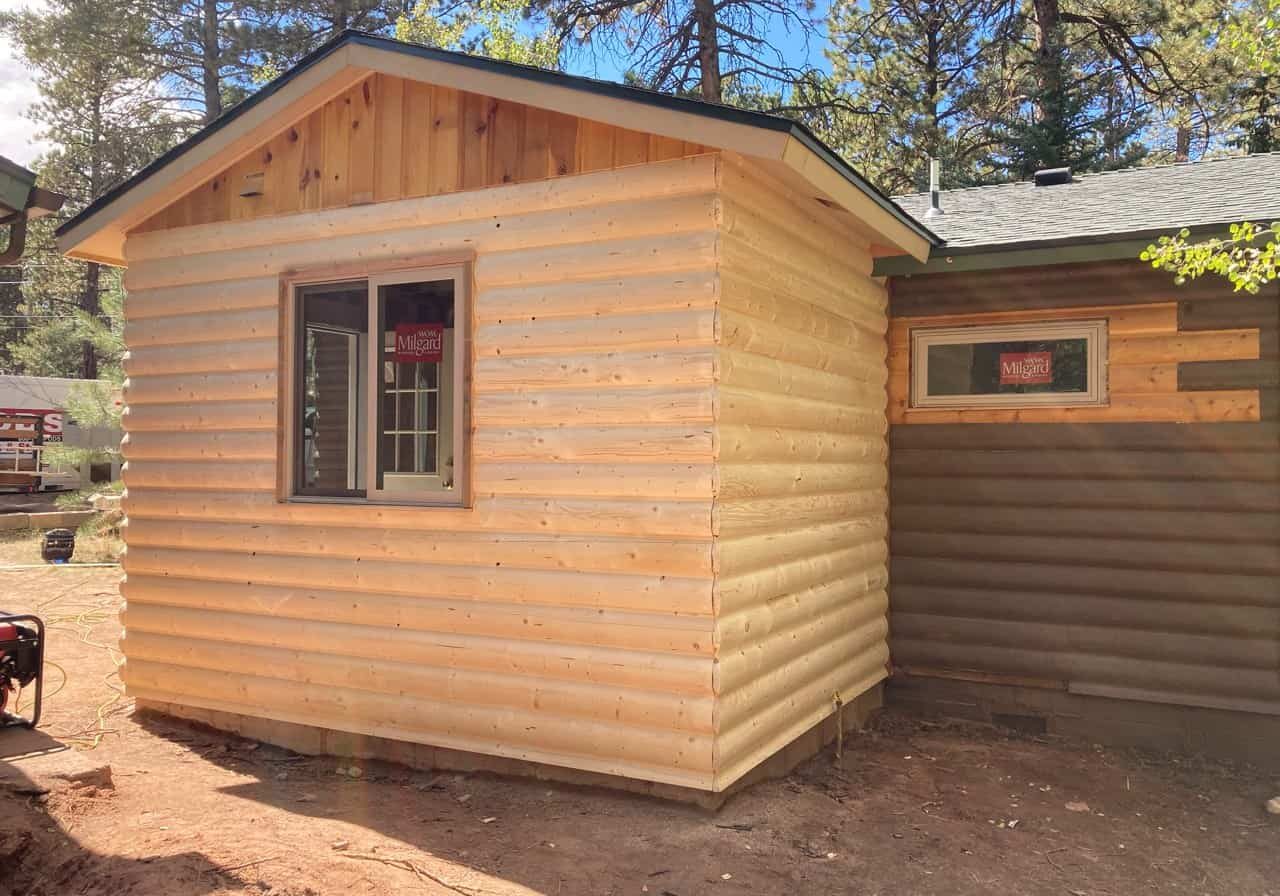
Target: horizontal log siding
x,y
800,508
567,617
1131,560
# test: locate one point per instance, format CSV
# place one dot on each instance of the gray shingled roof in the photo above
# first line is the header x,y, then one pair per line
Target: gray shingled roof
x,y
1094,207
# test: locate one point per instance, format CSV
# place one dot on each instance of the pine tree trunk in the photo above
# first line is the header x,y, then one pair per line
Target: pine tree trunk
x,y
933,87
341,18
1182,148
1261,133
704,13
90,303
209,60
90,294
1050,102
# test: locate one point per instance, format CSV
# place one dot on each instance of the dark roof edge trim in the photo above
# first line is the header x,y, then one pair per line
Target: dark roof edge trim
x,y
544,76
1065,250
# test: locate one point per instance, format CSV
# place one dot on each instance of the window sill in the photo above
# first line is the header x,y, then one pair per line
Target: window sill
x,y
364,502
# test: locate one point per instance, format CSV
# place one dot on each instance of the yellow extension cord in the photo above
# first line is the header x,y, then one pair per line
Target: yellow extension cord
x,y
84,617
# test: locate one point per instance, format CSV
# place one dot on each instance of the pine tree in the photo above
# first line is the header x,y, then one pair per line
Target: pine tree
x,y
499,29
1085,78
913,73
105,120
12,321
1249,256
694,47
286,30
202,52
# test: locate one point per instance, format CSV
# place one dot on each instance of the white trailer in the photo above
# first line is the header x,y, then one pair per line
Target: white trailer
x,y
33,417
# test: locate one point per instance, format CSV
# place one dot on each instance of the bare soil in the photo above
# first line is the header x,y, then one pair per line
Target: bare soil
x,y
913,807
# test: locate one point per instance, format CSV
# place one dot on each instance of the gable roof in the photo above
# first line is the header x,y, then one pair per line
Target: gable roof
x,y
1133,203
97,233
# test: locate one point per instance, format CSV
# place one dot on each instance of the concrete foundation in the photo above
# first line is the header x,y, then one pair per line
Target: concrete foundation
x,y
1190,730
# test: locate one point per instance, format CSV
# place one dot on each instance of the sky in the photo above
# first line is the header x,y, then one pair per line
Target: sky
x,y
17,92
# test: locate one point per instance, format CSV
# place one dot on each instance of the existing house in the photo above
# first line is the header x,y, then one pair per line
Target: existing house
x,y
20,201
499,411
1085,463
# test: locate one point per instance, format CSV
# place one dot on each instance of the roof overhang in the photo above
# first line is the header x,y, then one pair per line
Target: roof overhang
x,y
21,201
1070,250
98,233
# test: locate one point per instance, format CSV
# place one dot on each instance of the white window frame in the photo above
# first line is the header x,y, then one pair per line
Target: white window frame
x,y
1094,332
391,493
459,495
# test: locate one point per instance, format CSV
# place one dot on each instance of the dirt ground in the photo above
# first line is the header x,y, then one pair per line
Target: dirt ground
x,y
914,808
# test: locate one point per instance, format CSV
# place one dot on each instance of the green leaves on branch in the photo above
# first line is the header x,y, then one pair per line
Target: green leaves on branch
x,y
498,29
1249,257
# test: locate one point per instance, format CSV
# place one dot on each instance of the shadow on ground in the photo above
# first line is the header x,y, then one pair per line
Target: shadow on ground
x,y
38,857
913,807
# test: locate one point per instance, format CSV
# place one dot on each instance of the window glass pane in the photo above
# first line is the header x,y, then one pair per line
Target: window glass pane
x,y
1025,367
417,340
428,451
428,407
406,417
404,454
330,424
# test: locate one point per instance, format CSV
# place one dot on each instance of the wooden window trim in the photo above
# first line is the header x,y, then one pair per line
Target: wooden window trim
x,y
462,267
1094,332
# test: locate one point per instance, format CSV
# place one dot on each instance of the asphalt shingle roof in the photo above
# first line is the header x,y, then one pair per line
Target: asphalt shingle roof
x,y
1094,207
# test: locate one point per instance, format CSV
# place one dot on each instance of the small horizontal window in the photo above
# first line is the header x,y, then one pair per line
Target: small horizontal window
x,y
1011,365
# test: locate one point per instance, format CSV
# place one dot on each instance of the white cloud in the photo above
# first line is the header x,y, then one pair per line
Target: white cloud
x,y
17,93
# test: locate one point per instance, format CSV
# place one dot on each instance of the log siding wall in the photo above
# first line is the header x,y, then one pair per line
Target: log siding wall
x,y
800,510
675,564
1130,560
567,617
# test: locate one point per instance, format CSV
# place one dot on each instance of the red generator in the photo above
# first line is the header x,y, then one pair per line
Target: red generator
x,y
21,663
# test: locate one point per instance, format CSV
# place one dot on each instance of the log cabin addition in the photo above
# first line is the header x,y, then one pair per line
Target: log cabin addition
x,y
479,411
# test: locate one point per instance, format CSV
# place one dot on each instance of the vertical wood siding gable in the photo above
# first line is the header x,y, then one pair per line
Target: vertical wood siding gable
x,y
389,138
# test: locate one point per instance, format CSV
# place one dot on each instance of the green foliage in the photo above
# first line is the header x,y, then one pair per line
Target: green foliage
x,y
498,29
494,28
271,35
12,322
915,77
101,111
1249,257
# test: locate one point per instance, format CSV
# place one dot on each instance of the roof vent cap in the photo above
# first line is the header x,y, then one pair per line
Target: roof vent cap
x,y
935,199
1050,177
